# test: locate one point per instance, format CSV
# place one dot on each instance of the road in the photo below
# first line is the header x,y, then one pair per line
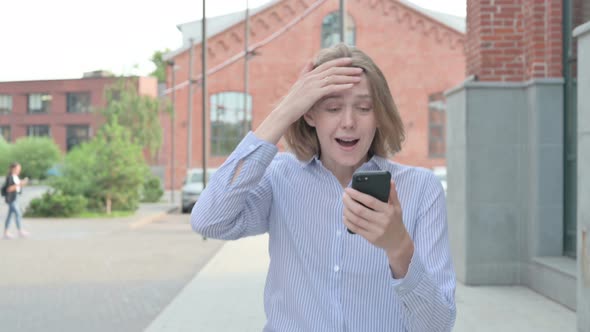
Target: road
x,y
96,275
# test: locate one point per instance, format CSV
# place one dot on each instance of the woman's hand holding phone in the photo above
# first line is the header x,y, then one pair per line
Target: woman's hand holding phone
x,y
381,224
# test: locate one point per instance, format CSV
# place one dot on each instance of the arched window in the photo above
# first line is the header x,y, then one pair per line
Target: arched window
x,y
229,121
331,30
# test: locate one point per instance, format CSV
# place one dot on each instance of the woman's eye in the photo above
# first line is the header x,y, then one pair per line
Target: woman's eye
x,y
365,109
333,109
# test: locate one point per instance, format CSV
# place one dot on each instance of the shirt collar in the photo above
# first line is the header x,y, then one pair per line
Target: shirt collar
x,y
380,162
313,159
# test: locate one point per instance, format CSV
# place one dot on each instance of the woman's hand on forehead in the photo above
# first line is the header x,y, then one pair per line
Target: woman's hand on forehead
x,y
329,78
313,84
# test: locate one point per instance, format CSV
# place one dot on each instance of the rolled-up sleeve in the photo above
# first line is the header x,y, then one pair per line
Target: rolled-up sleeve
x,y
237,205
428,289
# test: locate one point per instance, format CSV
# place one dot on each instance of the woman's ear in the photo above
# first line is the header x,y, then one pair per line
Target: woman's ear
x,y
308,117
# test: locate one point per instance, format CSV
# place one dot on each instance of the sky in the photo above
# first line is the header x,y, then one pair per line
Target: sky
x,y
59,39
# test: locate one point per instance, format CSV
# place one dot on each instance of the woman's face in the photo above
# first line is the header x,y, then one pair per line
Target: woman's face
x,y
345,124
16,170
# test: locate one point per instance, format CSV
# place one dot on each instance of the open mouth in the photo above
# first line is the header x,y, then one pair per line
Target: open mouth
x,y
347,142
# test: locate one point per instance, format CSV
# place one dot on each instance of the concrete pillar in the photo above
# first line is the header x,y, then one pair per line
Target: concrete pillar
x,y
582,33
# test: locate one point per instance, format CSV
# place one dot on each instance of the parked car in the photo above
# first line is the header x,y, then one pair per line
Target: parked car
x,y
192,187
441,174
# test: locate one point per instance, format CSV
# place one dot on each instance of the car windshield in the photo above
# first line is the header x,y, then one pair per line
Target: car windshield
x,y
198,177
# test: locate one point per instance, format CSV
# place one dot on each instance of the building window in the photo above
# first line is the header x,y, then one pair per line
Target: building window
x,y
5,133
331,30
436,126
38,130
76,134
229,121
78,102
5,104
39,103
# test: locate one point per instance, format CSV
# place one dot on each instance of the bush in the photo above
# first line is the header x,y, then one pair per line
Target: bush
x,y
5,156
97,169
36,155
55,204
152,190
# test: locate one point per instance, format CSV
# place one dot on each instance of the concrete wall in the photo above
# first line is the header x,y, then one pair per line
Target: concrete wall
x,y
583,35
505,186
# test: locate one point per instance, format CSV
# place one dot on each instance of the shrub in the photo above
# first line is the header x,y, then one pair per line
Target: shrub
x,y
56,204
36,155
5,156
152,189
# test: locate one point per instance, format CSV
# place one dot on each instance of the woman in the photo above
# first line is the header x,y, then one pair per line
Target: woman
x,y
395,274
13,189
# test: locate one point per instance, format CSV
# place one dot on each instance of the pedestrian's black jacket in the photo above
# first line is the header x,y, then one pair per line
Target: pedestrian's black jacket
x,y
10,195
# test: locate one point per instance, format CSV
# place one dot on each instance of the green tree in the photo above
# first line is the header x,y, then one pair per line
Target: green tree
x,y
78,174
158,60
5,156
36,155
120,168
139,113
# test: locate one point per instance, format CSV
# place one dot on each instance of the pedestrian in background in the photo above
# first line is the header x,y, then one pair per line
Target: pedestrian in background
x,y
13,188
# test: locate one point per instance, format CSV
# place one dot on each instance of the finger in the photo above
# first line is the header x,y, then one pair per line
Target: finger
x,y
354,227
367,200
360,222
348,70
393,198
307,68
335,88
359,210
340,79
340,62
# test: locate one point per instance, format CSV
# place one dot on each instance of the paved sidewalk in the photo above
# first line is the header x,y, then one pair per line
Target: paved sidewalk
x,y
226,295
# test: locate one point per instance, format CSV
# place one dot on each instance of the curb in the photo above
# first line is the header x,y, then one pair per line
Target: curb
x,y
150,218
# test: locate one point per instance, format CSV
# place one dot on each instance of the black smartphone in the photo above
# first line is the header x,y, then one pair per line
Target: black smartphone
x,y
374,183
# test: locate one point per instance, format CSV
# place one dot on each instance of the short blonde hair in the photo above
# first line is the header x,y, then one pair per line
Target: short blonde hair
x,y
302,139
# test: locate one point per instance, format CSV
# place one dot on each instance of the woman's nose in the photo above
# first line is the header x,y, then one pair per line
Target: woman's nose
x,y
347,120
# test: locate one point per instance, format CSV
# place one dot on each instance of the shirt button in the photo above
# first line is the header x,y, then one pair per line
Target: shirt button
x,y
338,232
336,268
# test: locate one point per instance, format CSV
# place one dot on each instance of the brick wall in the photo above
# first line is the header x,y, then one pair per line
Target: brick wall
x,y
418,56
514,40
58,118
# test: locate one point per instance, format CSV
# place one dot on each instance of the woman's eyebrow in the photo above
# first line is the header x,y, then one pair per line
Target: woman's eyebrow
x,y
335,96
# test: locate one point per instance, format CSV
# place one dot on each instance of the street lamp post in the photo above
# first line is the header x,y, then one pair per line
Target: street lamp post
x,y
246,56
172,126
204,93
342,21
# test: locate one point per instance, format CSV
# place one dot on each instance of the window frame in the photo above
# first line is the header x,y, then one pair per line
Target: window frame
x,y
37,126
46,99
80,139
3,129
10,104
335,30
222,143
75,108
437,115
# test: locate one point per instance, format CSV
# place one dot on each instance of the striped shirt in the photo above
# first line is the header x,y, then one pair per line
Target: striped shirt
x,y
320,277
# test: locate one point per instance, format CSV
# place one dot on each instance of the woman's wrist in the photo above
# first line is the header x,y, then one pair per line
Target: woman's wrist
x,y
273,127
400,257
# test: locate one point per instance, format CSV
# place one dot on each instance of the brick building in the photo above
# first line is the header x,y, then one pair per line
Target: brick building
x,y
420,52
61,109
512,151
